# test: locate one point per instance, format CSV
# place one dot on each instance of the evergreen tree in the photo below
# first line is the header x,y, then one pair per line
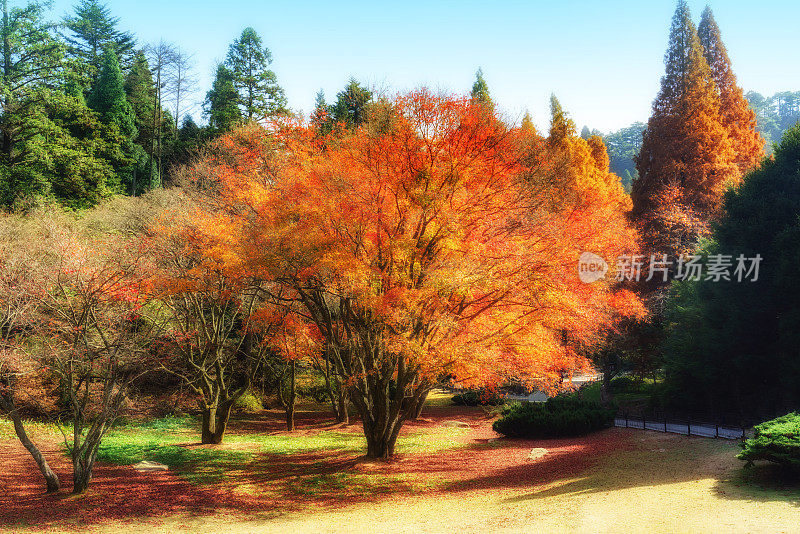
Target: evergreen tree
x,y
352,106
140,91
189,139
686,160
480,90
320,117
222,102
260,95
561,126
733,347
76,156
109,100
31,63
92,30
108,97
737,117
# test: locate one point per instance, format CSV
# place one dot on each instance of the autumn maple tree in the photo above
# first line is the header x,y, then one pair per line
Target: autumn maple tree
x,y
431,240
220,326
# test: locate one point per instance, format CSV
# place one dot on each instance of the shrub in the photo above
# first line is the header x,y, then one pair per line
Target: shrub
x,y
777,441
479,397
247,403
560,416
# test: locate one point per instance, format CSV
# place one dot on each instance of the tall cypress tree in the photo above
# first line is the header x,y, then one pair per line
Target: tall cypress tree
x,y
737,116
686,159
140,88
140,91
109,100
320,117
222,102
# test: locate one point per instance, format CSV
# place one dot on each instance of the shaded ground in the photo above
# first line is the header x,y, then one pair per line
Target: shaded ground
x,y
449,478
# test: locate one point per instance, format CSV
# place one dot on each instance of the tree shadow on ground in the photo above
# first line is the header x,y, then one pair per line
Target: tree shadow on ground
x,y
762,482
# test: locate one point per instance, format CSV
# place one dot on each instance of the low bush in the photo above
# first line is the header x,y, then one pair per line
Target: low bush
x,y
479,397
247,403
777,441
560,416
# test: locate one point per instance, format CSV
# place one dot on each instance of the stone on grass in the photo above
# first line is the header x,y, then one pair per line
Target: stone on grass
x,y
150,467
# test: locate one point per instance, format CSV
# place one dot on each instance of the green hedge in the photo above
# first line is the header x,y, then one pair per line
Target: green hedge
x,y
479,397
777,441
558,417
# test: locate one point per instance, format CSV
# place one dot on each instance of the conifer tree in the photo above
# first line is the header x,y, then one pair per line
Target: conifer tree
x,y
686,160
480,90
92,30
352,104
30,63
527,124
222,102
260,95
140,90
320,117
109,100
737,116
561,126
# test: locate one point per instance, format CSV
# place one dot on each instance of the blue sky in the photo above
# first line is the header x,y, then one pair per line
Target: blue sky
x,y
603,59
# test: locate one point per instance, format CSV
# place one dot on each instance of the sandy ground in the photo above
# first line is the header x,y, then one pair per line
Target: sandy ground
x,y
619,480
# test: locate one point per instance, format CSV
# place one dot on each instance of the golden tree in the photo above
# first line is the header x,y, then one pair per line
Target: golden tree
x,y
737,117
686,157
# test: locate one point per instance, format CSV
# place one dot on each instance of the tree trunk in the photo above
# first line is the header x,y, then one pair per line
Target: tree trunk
x,y
381,437
290,402
50,477
340,406
81,474
605,386
416,409
215,422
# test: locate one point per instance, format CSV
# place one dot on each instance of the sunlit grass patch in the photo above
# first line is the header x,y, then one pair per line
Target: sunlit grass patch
x,y
33,428
355,484
408,443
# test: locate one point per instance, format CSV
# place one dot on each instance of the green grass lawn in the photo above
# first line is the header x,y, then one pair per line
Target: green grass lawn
x,y
173,442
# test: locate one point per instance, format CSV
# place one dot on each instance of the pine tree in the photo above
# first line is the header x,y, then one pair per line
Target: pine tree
x,y
480,90
737,116
222,102
257,86
686,159
527,124
93,30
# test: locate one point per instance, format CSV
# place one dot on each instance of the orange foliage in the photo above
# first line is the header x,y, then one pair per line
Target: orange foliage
x,y
434,235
